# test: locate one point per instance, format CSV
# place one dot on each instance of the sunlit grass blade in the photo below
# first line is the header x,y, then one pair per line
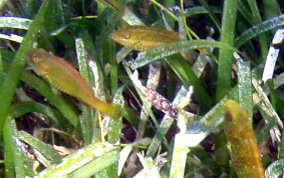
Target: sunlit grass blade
x,y
15,22
178,160
166,50
258,29
214,117
45,149
115,126
275,169
12,37
245,86
97,165
264,105
182,144
77,159
150,169
272,55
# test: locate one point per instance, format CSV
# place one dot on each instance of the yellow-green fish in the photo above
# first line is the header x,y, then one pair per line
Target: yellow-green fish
x,y
64,77
141,38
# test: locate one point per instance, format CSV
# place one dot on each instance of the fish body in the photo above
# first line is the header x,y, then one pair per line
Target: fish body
x,y
141,38
245,154
66,78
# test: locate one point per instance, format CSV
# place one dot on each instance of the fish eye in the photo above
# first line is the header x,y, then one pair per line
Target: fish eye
x,y
127,36
36,59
